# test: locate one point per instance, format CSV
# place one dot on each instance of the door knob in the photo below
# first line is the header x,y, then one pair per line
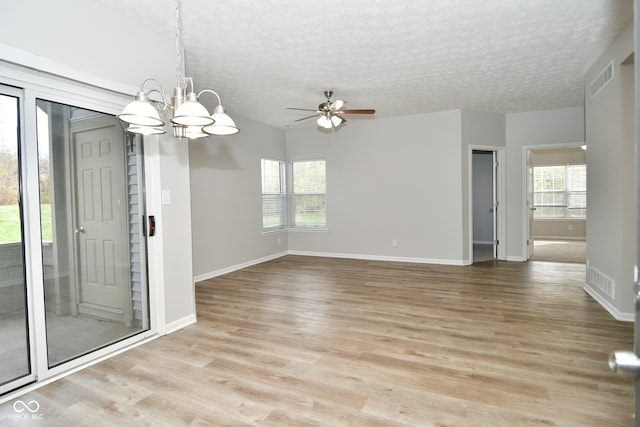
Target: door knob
x,y
79,230
625,363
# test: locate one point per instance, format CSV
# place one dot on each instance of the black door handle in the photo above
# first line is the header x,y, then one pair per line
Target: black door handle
x,y
152,226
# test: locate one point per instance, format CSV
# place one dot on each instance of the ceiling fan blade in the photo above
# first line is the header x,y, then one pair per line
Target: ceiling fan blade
x,y
300,109
337,104
305,118
369,111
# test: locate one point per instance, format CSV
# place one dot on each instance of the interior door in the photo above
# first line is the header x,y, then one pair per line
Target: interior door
x,y
628,362
530,206
494,203
100,225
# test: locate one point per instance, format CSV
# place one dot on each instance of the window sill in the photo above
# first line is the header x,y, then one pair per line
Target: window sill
x,y
274,231
309,229
559,219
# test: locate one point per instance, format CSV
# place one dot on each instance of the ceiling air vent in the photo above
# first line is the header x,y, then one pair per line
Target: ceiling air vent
x,y
601,81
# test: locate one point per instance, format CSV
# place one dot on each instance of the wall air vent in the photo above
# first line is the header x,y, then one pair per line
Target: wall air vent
x,y
601,81
602,282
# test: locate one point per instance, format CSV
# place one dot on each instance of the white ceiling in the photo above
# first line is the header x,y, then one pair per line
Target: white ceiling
x,y
402,57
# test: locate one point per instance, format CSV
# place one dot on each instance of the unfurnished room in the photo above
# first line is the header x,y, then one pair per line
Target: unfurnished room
x,y
336,213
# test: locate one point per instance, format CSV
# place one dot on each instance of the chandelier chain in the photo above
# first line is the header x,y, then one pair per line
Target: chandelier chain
x,y
179,75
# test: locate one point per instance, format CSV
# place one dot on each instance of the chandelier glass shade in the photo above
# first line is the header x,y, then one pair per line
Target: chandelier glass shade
x,y
189,118
222,123
191,113
140,112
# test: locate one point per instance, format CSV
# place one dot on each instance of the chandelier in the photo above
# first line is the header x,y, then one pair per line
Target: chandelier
x,y
189,118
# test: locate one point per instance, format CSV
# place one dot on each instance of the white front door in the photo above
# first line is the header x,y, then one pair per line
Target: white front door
x,y
100,223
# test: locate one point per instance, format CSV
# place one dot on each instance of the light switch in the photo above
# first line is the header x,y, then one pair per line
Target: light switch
x,y
166,197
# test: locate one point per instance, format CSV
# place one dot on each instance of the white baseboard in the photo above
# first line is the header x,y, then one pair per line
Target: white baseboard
x,y
216,273
560,238
381,258
180,323
516,258
617,314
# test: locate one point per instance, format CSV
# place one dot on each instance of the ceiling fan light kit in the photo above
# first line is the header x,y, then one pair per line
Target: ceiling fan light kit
x,y
331,112
189,119
330,122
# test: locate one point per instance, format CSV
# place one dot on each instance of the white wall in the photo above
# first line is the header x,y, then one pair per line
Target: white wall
x,y
226,200
611,228
388,179
86,42
542,129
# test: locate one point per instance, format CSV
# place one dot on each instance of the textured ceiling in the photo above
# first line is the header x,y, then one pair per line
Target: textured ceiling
x,y
401,58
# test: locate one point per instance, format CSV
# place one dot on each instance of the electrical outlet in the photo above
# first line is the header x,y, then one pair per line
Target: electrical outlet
x,y
394,243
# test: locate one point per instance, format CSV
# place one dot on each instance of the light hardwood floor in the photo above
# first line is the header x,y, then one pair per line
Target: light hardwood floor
x,y
337,342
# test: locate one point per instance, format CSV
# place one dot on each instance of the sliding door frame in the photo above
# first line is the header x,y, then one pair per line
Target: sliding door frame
x,y
29,309
35,85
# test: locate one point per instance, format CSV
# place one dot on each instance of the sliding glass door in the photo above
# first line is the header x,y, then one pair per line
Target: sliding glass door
x,y
73,253
92,240
14,310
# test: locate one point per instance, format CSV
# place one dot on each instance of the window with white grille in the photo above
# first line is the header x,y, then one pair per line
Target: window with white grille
x,y
560,191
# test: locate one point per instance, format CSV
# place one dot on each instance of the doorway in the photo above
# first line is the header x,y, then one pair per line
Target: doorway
x,y
556,203
486,191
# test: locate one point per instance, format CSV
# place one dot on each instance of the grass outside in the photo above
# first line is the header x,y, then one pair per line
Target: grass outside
x,y
10,231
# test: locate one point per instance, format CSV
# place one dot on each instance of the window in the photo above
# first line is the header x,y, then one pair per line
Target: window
x,y
560,191
308,193
273,195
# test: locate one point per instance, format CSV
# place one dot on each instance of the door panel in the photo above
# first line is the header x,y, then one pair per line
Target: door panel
x,y
15,351
102,253
95,281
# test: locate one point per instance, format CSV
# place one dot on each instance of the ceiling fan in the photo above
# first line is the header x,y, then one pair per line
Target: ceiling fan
x,y
331,112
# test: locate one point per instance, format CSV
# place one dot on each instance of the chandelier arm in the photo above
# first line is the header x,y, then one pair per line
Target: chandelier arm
x,y
213,92
187,81
160,92
164,105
